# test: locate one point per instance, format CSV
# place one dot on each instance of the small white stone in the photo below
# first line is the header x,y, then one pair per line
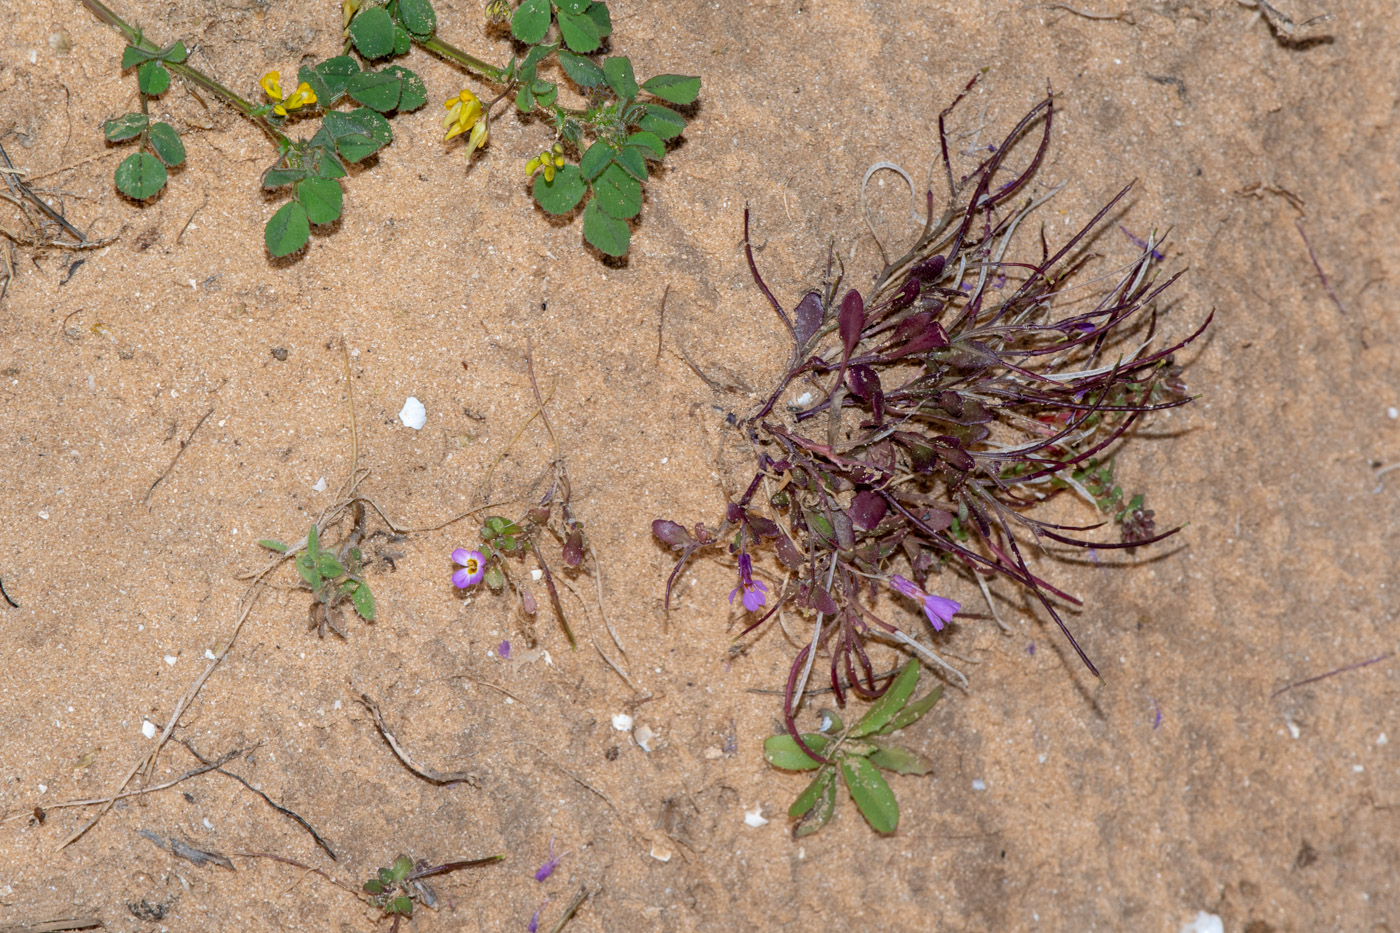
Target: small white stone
x,y
413,415
43,788
44,514
320,485
804,399
1381,739
536,574
1392,413
171,659
754,817
1293,729
645,736
148,728
1204,923
207,824
979,784
208,653
1357,769
660,852
622,722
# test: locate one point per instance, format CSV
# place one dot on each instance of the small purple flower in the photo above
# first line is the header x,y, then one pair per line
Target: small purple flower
x,y
753,590
535,920
548,867
503,649
939,609
473,568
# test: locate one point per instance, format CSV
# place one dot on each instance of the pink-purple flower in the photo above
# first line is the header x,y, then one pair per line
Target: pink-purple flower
x,y
472,568
754,591
548,867
939,609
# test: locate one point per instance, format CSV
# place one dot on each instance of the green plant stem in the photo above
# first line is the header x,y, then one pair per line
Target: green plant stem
x,y
453,54
234,100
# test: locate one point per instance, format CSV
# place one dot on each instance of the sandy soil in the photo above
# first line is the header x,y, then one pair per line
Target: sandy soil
x,y
1275,811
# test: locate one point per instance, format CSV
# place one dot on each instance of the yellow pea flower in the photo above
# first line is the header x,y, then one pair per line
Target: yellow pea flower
x,y
464,113
272,86
549,159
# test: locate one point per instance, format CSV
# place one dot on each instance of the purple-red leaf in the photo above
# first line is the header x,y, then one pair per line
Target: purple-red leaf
x,y
866,510
809,315
573,548
672,534
850,320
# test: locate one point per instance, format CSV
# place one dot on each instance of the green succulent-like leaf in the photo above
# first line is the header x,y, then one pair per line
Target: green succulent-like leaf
x,y
273,545
329,79
900,760
602,21
545,92
378,90
617,193
326,564
372,31
872,795
140,176
579,32
621,77
782,751
363,600
606,233
287,232
530,21
633,161
127,126
563,193
676,89
306,565
649,143
581,71
823,805
322,199
166,143
414,93
595,159
153,78
133,56
663,121
885,708
418,17
913,712
812,792
277,176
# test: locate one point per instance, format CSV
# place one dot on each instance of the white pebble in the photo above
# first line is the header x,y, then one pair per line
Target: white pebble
x,y
207,824
148,728
754,817
1392,413
622,722
209,653
1204,923
43,788
644,736
414,415
1381,739
171,659
979,784
320,485
536,574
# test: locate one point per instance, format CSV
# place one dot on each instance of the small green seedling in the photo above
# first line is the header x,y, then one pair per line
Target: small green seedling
x,y
398,888
858,754
332,579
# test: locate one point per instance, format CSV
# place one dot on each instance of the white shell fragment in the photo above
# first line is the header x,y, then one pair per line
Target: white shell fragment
x,y
148,728
1204,923
413,415
644,736
320,485
171,659
660,852
622,722
754,817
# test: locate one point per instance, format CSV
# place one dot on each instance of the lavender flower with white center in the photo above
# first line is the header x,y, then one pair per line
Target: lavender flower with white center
x,y
473,568
754,591
939,609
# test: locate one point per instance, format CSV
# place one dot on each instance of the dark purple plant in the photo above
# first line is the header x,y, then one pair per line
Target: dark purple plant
x,y
959,391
